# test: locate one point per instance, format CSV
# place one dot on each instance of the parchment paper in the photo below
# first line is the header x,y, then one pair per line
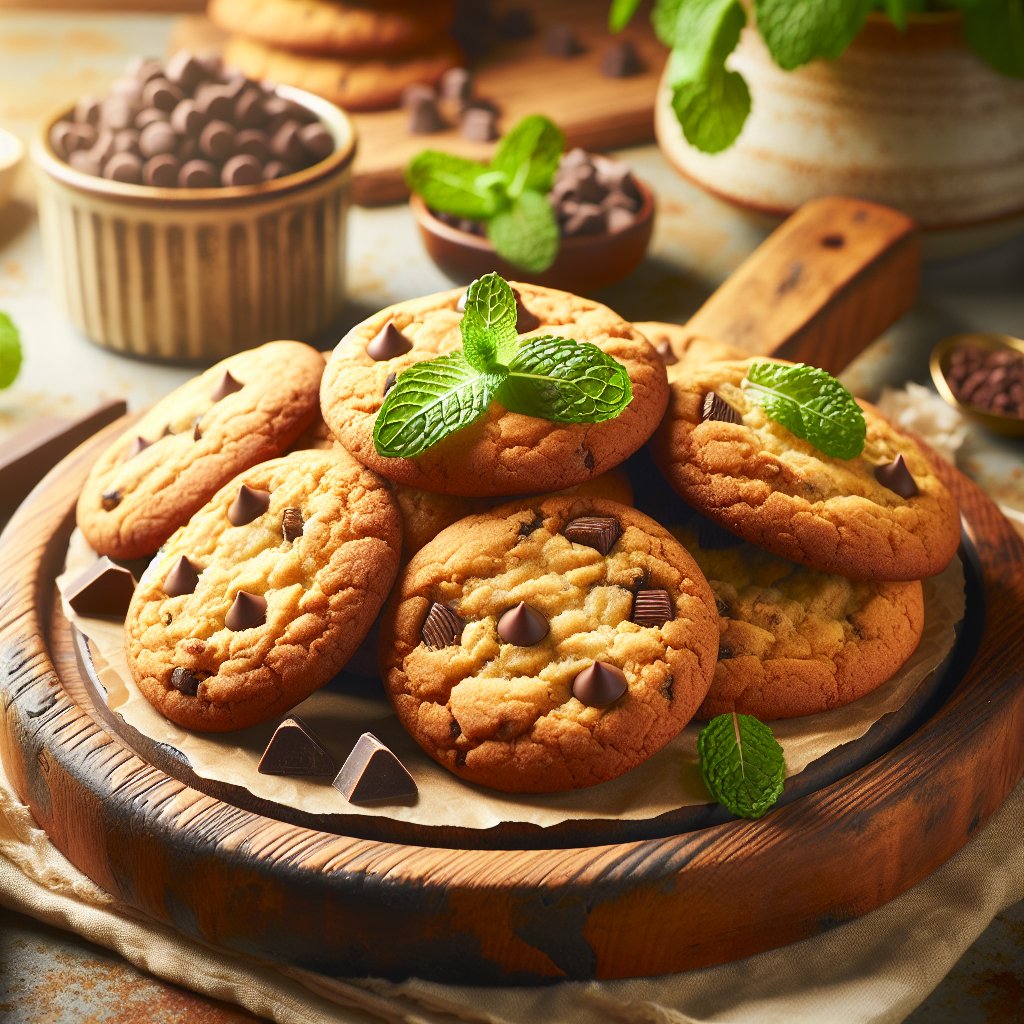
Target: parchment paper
x,y
349,706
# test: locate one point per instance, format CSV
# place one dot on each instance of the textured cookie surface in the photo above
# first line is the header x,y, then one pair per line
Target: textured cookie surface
x,y
195,441
795,641
679,347
321,550
502,453
368,83
772,488
508,715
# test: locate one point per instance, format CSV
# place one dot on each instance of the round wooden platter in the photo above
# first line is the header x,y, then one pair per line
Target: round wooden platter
x,y
349,906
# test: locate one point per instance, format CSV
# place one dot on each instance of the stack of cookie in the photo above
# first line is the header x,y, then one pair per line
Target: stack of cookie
x,y
360,55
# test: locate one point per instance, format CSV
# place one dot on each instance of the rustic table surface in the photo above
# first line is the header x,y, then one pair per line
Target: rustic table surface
x,y
47,59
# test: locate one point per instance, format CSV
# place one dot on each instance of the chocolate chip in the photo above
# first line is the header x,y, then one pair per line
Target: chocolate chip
x,y
618,219
424,117
186,119
652,608
249,504
197,432
185,682
295,750
561,41
896,476
161,94
156,138
372,774
103,591
388,343
252,143
277,169
111,499
242,169
583,219
119,112
124,167
182,578
715,407
285,143
621,60
292,523
227,385
525,529
454,729
87,111
161,171
214,102
140,444
600,532
588,459
724,653
723,608
317,141
479,125
523,626
198,174
247,611
167,618
411,94
599,685
217,141
148,116
389,381
184,70
457,85
667,353
442,627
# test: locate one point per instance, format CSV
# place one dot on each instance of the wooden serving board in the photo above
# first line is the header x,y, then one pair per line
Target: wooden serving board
x,y
609,906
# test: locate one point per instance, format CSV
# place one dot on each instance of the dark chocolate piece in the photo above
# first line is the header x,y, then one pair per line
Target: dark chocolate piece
x,y
161,171
294,750
599,685
103,591
715,407
424,117
561,41
124,167
140,444
897,478
389,381
227,385
111,499
372,774
479,124
182,578
317,141
198,174
413,93
247,611
185,682
249,504
388,343
621,60
442,627
523,626
292,523
667,353
652,608
457,85
243,169
600,532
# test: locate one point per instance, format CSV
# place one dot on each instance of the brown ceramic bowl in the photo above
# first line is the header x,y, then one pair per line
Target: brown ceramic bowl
x,y
584,263
193,275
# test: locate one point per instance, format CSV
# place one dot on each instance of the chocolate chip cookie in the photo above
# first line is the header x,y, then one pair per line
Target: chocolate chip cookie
x,y
266,593
548,644
795,641
247,408
884,515
502,453
678,346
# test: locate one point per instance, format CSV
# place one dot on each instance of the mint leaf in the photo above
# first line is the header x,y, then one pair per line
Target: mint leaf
x,y
698,31
812,404
428,402
741,764
488,324
995,31
897,10
10,351
621,14
566,381
712,110
528,155
798,31
452,184
526,234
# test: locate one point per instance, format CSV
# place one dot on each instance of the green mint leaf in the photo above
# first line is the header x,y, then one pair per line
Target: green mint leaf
x,y
798,31
741,764
528,155
712,111
897,10
812,404
452,184
488,324
10,351
621,14
995,31
428,402
566,381
526,234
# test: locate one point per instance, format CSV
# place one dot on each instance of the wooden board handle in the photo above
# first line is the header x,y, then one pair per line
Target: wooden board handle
x,y
821,288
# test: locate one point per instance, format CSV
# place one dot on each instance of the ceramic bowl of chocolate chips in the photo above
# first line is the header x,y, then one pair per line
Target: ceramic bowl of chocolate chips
x,y
605,217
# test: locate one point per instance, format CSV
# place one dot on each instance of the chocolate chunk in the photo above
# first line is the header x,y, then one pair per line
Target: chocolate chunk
x,y
111,499
525,320
600,532
652,608
723,609
295,750
583,219
252,143
389,381
411,94
523,626
285,143
250,111
599,685
388,343
214,102
103,591
667,353
525,529
292,523
140,444
161,171
148,116
119,112
618,219
372,774
87,111
277,169
184,70
897,478
247,611
125,167
717,408
442,628
457,85
198,174
197,432
126,141
724,652
241,169
186,119
182,578
479,125
317,141
217,141
561,41
185,681
161,94
424,117
227,385
249,504
156,138
621,60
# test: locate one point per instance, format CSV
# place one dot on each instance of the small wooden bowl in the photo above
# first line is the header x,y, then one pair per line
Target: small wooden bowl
x,y
193,275
584,263
12,152
997,422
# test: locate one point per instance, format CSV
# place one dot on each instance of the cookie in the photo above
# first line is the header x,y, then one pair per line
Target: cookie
x,y
248,408
548,645
368,83
678,346
266,593
797,642
776,490
502,453
334,27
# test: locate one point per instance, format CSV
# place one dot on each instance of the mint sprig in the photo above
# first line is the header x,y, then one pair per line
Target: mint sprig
x,y
553,378
10,351
796,33
742,764
810,403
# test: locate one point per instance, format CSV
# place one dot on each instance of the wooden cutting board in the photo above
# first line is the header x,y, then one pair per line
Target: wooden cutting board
x,y
594,111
